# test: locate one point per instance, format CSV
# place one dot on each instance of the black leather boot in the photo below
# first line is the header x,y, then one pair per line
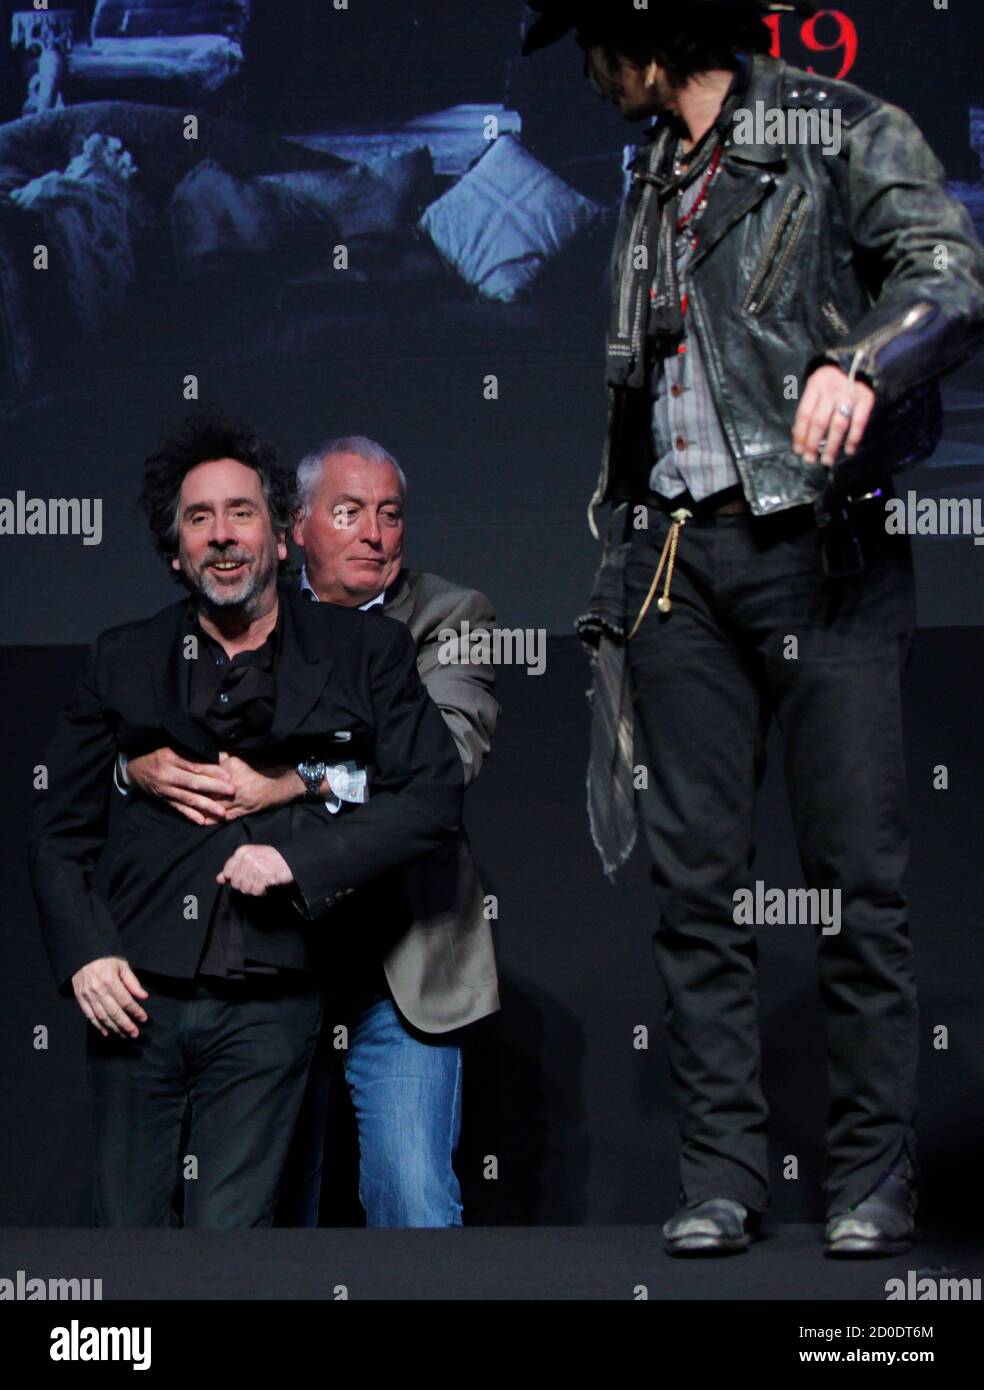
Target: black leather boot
x,y
883,1224
716,1226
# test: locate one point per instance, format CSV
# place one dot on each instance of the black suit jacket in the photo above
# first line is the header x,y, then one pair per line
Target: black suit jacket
x,y
346,681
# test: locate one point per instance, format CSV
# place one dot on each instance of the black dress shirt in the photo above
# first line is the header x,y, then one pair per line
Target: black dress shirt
x,y
234,698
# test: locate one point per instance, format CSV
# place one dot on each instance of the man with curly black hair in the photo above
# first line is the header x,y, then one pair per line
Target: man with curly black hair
x,y
207,435
196,972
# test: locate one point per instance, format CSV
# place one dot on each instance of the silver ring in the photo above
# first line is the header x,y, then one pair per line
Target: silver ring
x,y
846,410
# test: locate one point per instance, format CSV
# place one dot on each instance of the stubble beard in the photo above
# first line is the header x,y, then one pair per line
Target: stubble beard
x,y
244,601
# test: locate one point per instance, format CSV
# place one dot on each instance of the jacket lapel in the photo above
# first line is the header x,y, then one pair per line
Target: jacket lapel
x,y
740,188
171,680
748,172
399,604
303,665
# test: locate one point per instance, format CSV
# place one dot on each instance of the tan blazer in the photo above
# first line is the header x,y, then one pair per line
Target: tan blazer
x,y
441,970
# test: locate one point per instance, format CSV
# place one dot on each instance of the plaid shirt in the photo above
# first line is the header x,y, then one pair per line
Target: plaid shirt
x,y
689,446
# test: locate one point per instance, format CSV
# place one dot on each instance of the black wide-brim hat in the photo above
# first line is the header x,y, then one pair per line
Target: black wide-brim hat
x,y
556,17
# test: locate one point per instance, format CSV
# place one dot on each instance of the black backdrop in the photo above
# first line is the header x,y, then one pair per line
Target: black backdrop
x,y
579,1119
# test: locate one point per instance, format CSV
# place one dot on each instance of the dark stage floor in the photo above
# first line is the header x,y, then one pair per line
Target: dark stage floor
x,y
558,1262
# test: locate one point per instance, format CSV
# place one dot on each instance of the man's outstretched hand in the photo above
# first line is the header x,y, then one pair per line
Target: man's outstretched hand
x,y
107,992
211,793
820,417
253,869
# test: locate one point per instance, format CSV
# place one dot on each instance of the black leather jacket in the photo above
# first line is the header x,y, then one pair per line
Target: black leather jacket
x,y
860,258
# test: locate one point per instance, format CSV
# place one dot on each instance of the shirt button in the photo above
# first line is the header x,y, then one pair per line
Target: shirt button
x,y
220,661
681,443
223,698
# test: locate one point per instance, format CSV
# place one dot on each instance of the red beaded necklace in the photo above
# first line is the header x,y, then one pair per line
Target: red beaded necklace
x,y
700,202
696,212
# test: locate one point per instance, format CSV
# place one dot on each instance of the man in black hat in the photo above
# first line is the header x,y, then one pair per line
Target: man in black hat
x,y
790,280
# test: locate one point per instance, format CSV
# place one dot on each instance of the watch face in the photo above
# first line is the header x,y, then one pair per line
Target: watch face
x,y
312,773
309,771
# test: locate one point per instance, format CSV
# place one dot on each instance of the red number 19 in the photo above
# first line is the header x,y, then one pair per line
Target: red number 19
x,y
846,39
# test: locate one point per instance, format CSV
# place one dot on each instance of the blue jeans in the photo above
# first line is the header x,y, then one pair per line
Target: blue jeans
x,y
406,1093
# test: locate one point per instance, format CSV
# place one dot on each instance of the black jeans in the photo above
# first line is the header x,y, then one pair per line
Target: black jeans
x,y
757,629
234,1056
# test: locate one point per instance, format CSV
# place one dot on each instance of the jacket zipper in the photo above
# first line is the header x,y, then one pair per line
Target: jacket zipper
x,y
638,235
759,292
870,345
835,318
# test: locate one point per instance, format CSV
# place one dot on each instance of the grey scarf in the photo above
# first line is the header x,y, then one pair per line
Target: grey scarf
x,y
611,796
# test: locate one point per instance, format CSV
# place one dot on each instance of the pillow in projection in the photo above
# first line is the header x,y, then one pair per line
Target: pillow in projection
x,y
505,220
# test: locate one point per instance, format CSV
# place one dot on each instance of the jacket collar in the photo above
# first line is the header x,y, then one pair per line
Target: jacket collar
x,y
749,173
765,86
399,598
303,667
171,679
304,664
398,595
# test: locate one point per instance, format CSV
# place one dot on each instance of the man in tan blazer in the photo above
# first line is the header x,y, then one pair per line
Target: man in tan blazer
x,y
408,963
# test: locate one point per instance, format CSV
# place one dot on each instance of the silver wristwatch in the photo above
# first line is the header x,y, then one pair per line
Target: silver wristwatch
x,y
312,774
